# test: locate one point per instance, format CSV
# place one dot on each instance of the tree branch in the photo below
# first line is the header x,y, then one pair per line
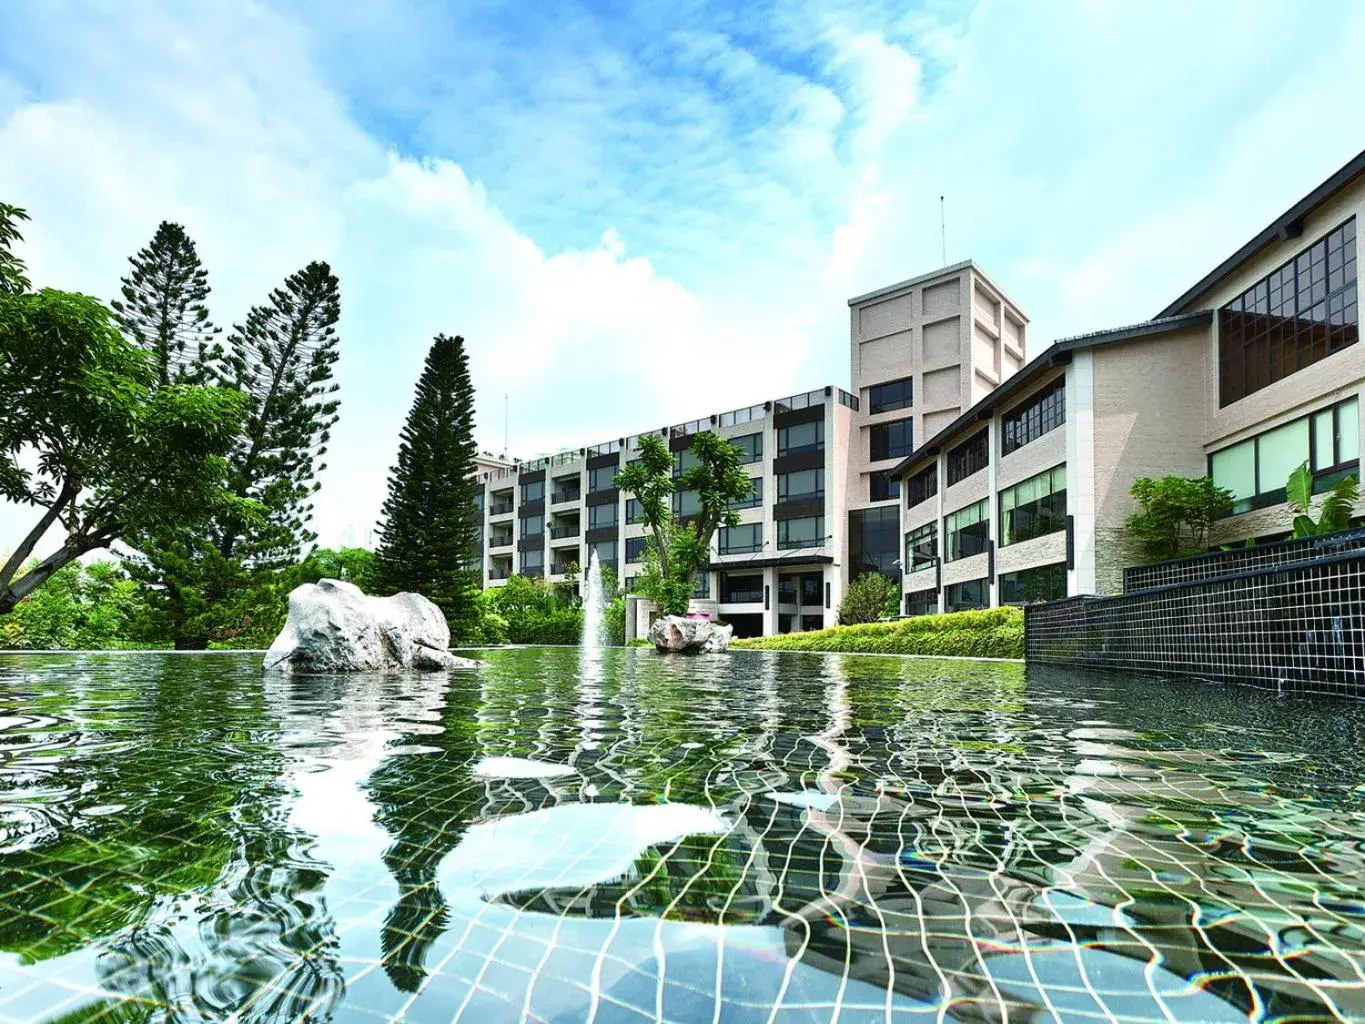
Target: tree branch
x,y
25,548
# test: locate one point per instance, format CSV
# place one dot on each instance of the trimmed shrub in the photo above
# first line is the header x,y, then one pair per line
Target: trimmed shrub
x,y
994,633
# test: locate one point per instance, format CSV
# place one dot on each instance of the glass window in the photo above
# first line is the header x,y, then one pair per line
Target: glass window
x,y
741,589
752,447
685,460
533,560
600,479
895,394
921,487
968,458
893,440
883,486
1041,414
755,497
961,597
874,541
1034,507
605,550
1303,311
1348,431
966,532
923,602
802,485
635,548
804,437
532,526
601,515
635,512
701,584
533,491
735,540
1279,452
1042,583
921,548
1235,469
686,503
805,532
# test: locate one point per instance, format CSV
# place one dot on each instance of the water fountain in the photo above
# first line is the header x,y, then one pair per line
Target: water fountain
x,y
592,606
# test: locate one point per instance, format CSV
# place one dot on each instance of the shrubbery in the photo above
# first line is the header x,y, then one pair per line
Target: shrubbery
x,y
530,611
995,633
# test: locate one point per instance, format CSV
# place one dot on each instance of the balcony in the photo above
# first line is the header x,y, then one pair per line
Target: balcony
x,y
499,574
500,542
569,494
503,509
562,568
561,532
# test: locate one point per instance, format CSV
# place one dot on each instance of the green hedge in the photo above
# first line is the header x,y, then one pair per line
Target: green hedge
x,y
995,633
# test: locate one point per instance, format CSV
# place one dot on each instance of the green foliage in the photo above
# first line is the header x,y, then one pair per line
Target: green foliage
x,y
674,551
429,539
1175,514
86,437
13,280
81,607
164,308
531,612
354,565
1335,511
994,633
870,597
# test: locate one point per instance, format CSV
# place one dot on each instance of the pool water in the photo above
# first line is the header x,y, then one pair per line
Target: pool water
x,y
752,837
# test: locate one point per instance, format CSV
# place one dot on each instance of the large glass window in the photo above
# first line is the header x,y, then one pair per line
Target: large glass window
x,y
805,532
600,479
752,447
922,602
1033,507
968,458
600,516
802,485
1257,469
894,394
1041,583
701,584
804,437
961,597
874,536
883,486
685,460
686,503
532,526
755,497
1303,311
635,548
534,491
635,512
742,539
921,548
741,589
605,550
921,487
894,440
1044,412
966,532
532,561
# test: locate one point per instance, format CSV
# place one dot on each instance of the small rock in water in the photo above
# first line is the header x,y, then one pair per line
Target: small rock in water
x,y
676,634
520,768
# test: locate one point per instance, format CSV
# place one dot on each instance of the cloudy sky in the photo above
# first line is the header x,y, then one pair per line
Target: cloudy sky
x,y
642,213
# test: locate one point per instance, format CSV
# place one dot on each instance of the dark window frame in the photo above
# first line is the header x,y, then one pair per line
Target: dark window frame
x,y
883,486
891,395
1043,413
916,558
783,494
753,449
879,443
952,548
787,544
723,536
818,445
922,486
969,458
1042,516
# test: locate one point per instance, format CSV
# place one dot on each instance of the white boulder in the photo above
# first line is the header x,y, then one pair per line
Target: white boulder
x,y
676,634
333,626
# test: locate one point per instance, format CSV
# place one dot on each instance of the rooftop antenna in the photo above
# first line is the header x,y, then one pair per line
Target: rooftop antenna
x,y
943,230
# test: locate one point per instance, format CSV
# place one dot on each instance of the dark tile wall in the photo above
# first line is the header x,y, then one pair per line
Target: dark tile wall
x,y
1223,563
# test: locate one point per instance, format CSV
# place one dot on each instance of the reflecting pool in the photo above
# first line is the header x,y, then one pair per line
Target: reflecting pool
x,y
614,836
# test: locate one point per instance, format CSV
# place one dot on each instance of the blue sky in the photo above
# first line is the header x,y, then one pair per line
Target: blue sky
x,y
642,213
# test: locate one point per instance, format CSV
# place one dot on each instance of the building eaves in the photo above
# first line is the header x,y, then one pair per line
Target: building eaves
x,y
1057,354
1287,225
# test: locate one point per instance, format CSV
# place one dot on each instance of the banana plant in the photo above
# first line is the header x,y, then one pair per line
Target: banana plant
x,y
1335,511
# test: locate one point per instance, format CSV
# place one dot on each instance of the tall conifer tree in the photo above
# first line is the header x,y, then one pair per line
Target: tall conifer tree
x,y
164,308
429,536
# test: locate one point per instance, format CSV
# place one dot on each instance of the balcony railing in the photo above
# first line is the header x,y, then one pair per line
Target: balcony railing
x,y
561,568
572,494
560,532
741,596
500,542
499,574
504,509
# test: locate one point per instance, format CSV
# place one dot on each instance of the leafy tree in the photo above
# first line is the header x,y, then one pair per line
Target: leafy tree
x,y
674,551
355,565
870,597
164,308
86,437
429,538
12,277
1334,515
82,607
1175,514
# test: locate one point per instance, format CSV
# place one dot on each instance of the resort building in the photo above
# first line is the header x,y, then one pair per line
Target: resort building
x,y
825,504
1247,375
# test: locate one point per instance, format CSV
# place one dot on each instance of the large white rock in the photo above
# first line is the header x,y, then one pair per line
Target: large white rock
x,y
333,626
673,633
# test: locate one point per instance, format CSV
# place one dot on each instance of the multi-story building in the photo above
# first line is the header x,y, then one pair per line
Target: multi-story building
x,y
824,506
1250,373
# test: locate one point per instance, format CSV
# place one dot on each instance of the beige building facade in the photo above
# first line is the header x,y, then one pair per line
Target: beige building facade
x,y
1252,372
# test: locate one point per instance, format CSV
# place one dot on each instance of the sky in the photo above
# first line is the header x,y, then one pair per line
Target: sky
x,y
638,214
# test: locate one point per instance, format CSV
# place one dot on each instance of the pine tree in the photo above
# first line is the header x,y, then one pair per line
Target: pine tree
x,y
429,535
164,308
282,359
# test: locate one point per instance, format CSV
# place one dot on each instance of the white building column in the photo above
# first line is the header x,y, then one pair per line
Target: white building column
x,y
770,595
1080,469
